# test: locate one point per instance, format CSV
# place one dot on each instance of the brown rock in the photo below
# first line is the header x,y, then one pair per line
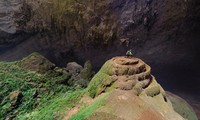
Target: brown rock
x,y
15,97
36,62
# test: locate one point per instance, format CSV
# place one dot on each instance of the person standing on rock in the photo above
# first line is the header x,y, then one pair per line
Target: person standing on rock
x,y
129,54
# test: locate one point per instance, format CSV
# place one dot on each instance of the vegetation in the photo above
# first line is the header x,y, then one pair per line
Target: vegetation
x,y
33,89
87,111
100,81
30,95
55,107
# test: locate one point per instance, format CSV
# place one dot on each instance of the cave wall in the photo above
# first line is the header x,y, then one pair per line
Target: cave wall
x,y
163,33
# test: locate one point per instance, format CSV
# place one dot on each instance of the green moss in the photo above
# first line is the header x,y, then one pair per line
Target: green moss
x,y
100,81
98,84
87,111
107,68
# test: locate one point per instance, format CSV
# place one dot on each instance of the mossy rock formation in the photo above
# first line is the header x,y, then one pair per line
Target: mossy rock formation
x,y
132,93
125,74
36,62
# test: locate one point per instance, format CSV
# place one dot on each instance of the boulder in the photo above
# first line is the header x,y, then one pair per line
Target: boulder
x,y
86,73
74,68
80,76
36,62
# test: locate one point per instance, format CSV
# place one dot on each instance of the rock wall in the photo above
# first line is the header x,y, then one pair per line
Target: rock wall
x,y
162,32
150,28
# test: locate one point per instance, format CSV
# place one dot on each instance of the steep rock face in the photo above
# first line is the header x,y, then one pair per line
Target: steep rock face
x,y
7,22
18,21
57,28
131,93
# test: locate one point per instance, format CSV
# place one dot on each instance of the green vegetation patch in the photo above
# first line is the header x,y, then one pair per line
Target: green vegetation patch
x,y
23,91
89,110
55,108
96,85
101,81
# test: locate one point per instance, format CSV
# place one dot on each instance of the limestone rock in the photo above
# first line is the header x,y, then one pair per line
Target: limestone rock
x,y
74,68
86,73
80,76
124,74
36,62
7,21
132,92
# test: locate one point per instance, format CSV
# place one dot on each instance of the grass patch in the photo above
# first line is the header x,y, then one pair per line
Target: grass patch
x,y
54,108
36,89
87,111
